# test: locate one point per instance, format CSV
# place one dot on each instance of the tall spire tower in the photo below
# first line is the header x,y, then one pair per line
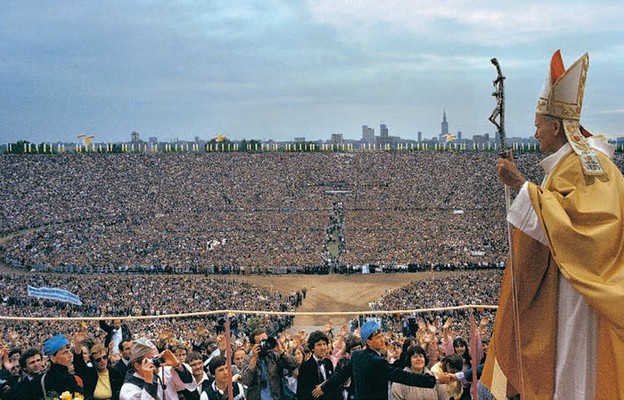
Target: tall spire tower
x,y
444,127
444,124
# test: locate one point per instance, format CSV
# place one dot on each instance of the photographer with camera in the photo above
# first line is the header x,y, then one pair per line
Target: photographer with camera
x,y
263,367
156,375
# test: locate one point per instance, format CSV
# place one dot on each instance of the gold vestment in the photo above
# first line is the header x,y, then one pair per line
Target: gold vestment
x,y
584,227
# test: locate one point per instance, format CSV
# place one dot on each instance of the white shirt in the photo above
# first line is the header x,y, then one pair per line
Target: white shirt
x,y
171,380
116,339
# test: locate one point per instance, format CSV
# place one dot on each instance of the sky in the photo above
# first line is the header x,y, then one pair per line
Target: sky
x,y
284,69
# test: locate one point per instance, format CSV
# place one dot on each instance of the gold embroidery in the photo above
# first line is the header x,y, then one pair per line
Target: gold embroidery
x,y
587,156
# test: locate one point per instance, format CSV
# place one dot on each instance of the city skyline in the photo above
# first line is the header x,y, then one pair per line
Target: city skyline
x,y
280,70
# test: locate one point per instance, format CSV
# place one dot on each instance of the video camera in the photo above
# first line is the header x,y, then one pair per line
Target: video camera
x,y
158,361
266,345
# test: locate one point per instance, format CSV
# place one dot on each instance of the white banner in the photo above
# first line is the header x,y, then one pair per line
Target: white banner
x,y
54,294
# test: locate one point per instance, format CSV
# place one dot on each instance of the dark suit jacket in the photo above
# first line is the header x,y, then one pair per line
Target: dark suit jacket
x,y
371,373
57,379
310,376
25,389
122,368
109,329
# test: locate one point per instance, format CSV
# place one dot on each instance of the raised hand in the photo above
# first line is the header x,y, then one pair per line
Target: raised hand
x,y
79,339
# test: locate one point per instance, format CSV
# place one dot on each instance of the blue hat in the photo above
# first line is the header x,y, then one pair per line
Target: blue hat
x,y
52,345
367,329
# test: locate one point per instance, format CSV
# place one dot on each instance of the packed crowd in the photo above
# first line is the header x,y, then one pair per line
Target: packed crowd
x,y
247,212
282,361
143,295
198,212
136,296
184,241
476,288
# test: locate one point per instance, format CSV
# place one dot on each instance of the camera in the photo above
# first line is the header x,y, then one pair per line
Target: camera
x,y
267,345
158,361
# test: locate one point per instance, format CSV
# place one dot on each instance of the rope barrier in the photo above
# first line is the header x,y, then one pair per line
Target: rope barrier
x,y
247,312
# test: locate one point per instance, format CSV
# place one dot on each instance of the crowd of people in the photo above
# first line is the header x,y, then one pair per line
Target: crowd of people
x,y
115,361
201,212
247,213
475,288
138,296
144,295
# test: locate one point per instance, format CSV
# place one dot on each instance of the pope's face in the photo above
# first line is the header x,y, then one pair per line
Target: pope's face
x,y
547,133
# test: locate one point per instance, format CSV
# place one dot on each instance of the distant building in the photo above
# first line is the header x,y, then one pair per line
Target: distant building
x,y
153,140
481,139
419,137
300,139
443,126
135,137
336,138
383,131
368,134
384,136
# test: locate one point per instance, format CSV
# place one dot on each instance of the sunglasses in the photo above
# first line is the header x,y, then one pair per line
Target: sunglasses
x,y
104,357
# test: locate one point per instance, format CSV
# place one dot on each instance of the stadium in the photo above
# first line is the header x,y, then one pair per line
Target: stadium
x,y
295,241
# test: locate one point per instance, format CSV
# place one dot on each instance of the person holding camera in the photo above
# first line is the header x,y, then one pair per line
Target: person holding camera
x,y
263,367
156,375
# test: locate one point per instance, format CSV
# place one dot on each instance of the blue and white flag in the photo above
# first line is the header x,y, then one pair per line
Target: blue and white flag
x,y
54,294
